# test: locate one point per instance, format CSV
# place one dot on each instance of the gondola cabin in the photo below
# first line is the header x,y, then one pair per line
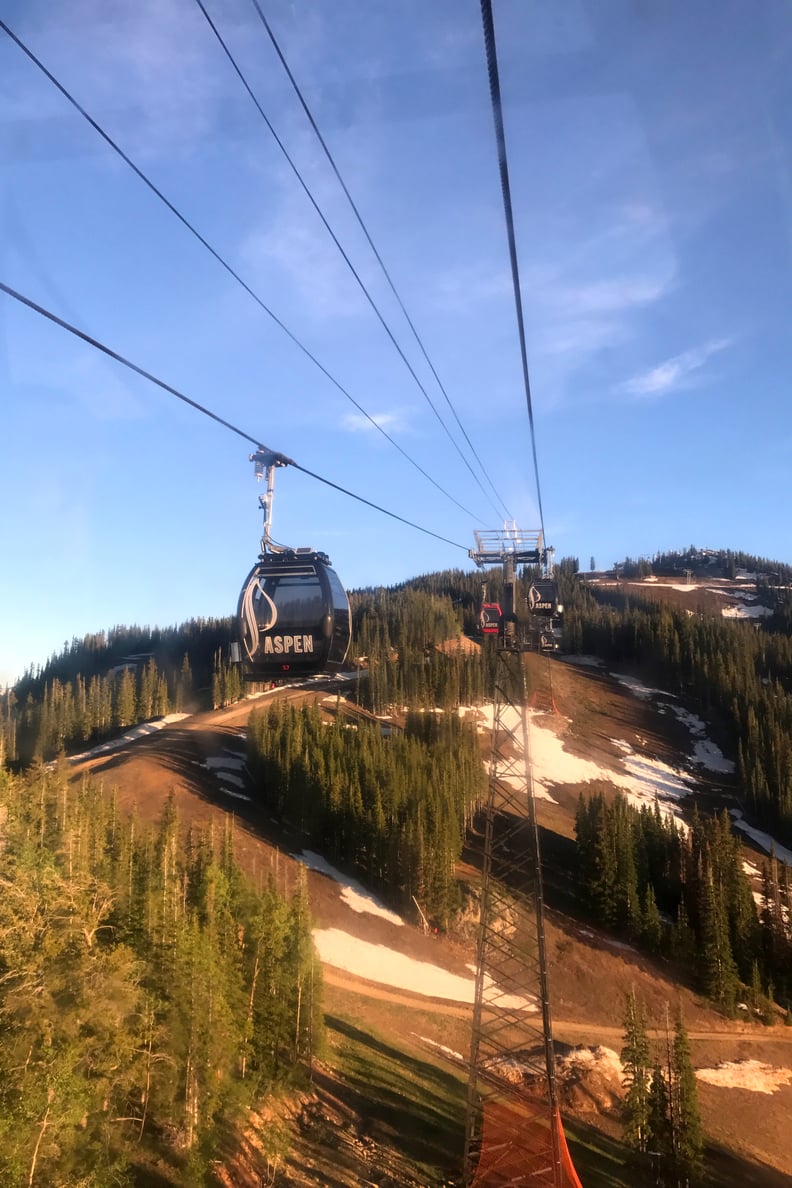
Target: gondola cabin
x,y
542,597
293,617
545,614
491,618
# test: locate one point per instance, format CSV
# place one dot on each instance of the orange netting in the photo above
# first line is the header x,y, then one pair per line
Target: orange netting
x,y
571,1177
517,1149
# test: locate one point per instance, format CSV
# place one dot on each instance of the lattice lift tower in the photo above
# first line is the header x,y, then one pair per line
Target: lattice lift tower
x,y
514,1136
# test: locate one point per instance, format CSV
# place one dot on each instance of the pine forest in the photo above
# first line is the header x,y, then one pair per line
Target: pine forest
x,y
148,993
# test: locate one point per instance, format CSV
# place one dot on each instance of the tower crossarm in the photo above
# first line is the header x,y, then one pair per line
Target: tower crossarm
x,y
493,547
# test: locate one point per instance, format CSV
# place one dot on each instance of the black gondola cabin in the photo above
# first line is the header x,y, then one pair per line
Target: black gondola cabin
x,y
294,618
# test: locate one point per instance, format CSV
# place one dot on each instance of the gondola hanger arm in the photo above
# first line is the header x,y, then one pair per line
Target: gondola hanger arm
x,y
265,462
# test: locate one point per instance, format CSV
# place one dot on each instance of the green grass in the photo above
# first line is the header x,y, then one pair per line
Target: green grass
x,y
416,1107
600,1161
411,1104
603,1162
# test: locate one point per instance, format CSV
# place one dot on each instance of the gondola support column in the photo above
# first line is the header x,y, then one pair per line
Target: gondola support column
x,y
265,461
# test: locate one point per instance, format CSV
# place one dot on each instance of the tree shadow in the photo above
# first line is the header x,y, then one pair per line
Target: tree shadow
x,y
602,1161
402,1097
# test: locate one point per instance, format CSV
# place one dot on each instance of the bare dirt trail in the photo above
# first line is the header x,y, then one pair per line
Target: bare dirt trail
x,y
593,1032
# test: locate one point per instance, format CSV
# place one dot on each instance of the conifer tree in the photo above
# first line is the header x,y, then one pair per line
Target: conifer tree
x,y
651,924
124,713
635,1057
717,966
688,1135
184,684
659,1140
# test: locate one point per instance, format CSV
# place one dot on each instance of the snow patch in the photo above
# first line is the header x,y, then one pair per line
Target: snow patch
x,y
641,779
638,688
512,722
378,963
440,1047
145,728
653,780
682,587
706,753
225,768
762,839
746,1074
225,761
353,893
745,612
227,777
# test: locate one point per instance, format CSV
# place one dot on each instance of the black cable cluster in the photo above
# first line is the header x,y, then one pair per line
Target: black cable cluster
x,y
492,65
207,412
377,256
229,269
311,198
500,137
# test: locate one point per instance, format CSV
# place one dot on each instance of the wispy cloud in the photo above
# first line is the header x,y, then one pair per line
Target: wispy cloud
x,y
290,248
296,254
577,320
614,295
390,421
96,387
158,51
584,291
675,373
464,288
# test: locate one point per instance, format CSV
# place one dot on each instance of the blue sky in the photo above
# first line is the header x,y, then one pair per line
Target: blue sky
x,y
650,150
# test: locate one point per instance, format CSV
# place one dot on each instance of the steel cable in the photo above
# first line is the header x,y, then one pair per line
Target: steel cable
x,y
500,137
141,371
229,269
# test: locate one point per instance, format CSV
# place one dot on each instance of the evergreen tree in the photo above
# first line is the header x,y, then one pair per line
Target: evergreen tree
x,y
651,924
688,1135
635,1057
659,1140
124,708
717,965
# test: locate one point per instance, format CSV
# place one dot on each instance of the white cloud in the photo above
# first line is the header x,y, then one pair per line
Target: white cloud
x,y
614,295
677,372
392,422
289,247
118,61
644,216
577,320
585,290
569,340
463,288
296,251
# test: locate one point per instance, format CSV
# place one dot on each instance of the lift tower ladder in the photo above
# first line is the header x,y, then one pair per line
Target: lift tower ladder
x,y
513,1136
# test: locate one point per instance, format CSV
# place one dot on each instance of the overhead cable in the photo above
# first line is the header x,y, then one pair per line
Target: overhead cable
x,y
119,358
372,245
500,137
229,269
361,283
